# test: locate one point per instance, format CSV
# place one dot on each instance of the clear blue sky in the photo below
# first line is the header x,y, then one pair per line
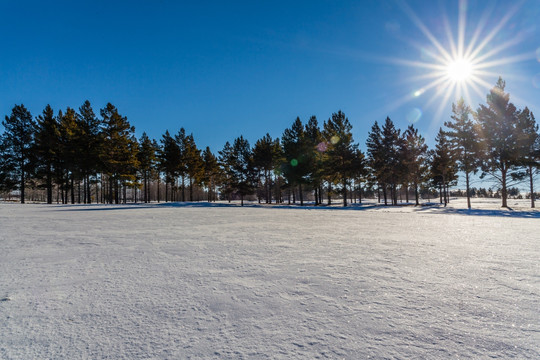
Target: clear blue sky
x,y
221,69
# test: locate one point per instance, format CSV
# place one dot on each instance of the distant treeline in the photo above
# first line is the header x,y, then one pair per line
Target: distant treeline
x,y
80,157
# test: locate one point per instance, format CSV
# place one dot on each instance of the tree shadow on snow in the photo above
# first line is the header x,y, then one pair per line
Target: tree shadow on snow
x,y
507,213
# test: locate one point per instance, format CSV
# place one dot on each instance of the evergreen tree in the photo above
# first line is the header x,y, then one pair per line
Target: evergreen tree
x,y
529,146
119,154
317,150
8,180
181,141
499,137
415,158
17,144
443,165
47,148
264,158
90,142
170,158
210,172
226,160
297,166
194,164
391,145
342,154
70,150
243,173
463,136
376,159
147,161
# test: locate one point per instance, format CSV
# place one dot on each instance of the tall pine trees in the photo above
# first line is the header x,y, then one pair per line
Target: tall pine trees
x,y
16,144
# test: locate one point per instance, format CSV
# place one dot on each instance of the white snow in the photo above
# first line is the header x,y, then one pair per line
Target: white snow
x,y
171,281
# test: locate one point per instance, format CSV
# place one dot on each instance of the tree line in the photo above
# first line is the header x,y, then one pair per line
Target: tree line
x,y
79,156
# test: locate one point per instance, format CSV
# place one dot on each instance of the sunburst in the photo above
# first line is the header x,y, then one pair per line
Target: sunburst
x,y
463,66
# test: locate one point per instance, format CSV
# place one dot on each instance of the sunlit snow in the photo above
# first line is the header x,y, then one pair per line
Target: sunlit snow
x,y
173,281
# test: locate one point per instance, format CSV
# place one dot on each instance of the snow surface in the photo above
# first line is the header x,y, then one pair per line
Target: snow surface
x,y
174,281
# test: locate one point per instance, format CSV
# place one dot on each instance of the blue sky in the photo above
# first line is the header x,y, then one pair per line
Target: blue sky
x,y
222,69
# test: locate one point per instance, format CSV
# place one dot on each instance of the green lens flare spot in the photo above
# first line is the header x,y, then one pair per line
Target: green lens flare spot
x,y
294,162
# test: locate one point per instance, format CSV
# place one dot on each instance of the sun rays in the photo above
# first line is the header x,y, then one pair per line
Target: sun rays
x,y
459,63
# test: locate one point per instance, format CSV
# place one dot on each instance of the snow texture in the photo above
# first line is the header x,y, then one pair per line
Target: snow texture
x,y
174,281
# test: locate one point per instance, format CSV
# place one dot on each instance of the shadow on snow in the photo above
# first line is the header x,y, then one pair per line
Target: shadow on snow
x,y
434,208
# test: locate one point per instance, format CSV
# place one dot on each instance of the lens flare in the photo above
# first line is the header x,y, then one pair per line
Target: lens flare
x,y
536,81
294,162
334,140
414,115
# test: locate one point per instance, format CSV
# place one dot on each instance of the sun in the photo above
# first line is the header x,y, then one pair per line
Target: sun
x,y
457,64
459,70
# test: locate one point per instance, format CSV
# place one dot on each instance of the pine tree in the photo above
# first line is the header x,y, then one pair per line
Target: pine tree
x,y
17,144
342,155
443,165
529,146
119,155
499,137
391,144
463,136
243,173
226,160
210,172
264,161
376,159
90,142
170,158
147,160
317,148
194,164
415,158
47,148
70,140
181,141
297,166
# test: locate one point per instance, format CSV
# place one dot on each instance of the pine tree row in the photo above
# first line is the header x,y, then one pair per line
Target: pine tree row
x,y
80,157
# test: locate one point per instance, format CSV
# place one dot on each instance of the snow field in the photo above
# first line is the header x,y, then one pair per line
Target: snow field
x,y
174,282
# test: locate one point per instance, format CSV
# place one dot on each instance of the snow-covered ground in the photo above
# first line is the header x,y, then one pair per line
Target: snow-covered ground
x,y
173,281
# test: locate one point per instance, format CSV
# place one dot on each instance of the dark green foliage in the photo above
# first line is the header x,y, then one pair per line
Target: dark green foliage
x,y
211,172
298,157
414,159
47,148
343,158
443,165
16,147
242,172
464,139
119,155
265,159
147,161
499,136
529,147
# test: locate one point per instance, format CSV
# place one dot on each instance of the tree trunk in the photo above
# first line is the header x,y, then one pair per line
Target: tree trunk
x,y
22,183
531,184
467,189
416,194
344,193
504,192
190,188
300,195
329,193
49,184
